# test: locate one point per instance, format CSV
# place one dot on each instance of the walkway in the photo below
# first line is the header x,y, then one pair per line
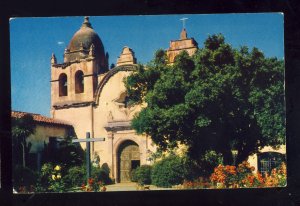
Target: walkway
x,y
130,186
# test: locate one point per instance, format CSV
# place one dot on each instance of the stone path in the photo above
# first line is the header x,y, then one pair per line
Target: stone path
x,y
130,186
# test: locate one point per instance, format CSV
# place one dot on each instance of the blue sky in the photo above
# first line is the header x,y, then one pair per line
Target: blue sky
x,y
33,40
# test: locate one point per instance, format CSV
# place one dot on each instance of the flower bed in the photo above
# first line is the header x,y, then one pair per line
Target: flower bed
x,y
242,176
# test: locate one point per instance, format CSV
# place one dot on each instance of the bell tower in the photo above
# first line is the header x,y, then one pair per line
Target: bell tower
x,y
74,81
183,44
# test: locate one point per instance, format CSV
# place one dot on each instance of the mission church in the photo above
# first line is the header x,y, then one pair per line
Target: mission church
x,y
88,95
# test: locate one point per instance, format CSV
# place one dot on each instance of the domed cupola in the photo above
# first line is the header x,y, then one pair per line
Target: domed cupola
x,y
85,43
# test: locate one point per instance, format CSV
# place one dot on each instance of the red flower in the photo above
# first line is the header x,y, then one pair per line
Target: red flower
x,y
90,181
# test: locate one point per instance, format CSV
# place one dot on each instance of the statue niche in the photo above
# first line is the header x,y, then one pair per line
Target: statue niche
x,y
122,102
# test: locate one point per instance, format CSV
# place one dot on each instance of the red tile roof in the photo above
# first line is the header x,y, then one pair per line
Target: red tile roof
x,y
39,118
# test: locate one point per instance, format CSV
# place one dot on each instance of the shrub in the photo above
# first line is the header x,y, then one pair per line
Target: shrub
x,y
75,176
23,178
243,176
199,183
133,176
168,171
100,174
277,178
143,175
43,179
93,186
208,162
230,175
56,181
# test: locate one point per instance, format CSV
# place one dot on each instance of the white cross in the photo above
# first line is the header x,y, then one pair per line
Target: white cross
x,y
183,22
88,141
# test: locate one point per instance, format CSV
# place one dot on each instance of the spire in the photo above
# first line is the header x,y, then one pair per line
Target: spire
x,y
53,59
86,22
183,34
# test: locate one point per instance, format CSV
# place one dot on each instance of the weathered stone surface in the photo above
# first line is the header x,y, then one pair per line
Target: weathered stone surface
x,y
183,44
126,57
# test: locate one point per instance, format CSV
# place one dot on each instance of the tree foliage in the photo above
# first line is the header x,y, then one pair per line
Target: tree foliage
x,y
67,153
219,99
22,128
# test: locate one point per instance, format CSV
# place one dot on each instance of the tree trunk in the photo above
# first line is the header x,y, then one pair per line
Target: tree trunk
x,y
242,156
23,154
227,157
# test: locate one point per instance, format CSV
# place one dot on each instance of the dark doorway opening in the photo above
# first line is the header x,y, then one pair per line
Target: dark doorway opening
x,y
135,164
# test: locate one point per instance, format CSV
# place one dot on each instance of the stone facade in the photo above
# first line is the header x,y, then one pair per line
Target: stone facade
x,y
126,57
100,105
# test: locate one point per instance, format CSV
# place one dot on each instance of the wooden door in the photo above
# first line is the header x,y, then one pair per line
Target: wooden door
x,y
128,154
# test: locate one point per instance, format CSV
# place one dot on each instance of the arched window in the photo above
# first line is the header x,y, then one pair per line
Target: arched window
x,y
79,82
269,160
63,85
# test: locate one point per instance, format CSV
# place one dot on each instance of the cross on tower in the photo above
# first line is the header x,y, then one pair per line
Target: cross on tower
x,y
183,22
88,141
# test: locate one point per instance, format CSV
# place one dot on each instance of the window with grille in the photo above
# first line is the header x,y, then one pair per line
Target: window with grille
x,y
269,160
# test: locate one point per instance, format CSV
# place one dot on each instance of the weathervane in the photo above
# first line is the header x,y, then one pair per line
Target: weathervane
x,y
183,22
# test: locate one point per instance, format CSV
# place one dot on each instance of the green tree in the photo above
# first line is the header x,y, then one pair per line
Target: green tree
x,y
68,154
219,99
22,128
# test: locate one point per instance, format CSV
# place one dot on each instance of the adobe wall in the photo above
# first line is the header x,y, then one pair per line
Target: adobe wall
x,y
42,134
79,117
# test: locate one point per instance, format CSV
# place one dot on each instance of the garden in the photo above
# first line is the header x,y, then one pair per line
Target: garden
x,y
181,173
219,100
63,164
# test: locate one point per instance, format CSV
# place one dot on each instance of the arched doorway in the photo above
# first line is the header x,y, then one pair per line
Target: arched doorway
x,y
128,159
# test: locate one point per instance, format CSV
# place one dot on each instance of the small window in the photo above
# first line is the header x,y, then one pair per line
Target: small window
x,y
63,85
79,82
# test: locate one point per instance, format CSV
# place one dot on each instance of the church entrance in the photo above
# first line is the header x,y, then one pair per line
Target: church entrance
x,y
128,159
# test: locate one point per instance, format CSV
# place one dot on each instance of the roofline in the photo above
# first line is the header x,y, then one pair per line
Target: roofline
x,y
56,122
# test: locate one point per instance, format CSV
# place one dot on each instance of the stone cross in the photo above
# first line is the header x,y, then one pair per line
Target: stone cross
x,y
88,141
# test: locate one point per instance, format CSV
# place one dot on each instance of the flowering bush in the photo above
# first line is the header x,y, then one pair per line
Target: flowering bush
x,y
93,186
26,189
199,183
243,176
224,175
56,182
277,178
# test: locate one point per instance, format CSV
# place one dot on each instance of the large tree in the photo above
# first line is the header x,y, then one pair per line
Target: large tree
x,y
219,99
